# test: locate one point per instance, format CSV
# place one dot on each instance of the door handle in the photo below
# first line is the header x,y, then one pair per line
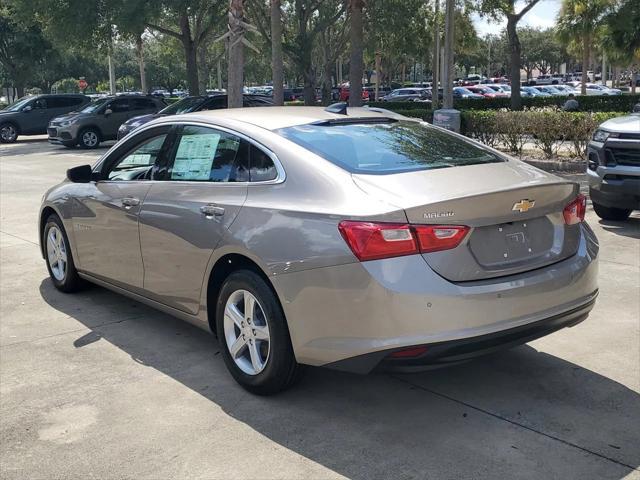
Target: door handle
x,y
128,202
211,210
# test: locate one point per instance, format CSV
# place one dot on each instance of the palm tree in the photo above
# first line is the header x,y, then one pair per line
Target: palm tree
x,y
581,18
356,65
236,54
277,66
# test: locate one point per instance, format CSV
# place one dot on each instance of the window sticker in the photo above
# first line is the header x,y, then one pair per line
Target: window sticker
x,y
195,156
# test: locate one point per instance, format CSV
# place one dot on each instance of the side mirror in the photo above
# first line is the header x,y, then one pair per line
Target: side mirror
x,y
28,108
81,174
108,112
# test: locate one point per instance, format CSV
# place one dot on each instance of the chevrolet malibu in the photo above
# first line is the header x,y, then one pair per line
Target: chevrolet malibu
x,y
358,240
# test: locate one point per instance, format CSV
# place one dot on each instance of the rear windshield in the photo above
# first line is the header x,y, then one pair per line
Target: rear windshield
x,y
385,148
185,105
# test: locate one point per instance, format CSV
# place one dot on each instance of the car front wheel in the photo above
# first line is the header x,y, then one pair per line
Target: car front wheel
x,y
8,133
611,213
89,138
253,335
62,269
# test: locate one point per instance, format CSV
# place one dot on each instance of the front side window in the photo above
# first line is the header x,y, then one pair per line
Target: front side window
x,y
40,104
207,155
138,163
119,106
387,147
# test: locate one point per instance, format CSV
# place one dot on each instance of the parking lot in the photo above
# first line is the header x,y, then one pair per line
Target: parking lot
x,y
94,385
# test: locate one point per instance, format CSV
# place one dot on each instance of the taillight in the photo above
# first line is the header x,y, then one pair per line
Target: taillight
x,y
374,241
439,237
574,212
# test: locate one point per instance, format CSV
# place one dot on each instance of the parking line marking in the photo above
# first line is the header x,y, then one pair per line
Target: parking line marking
x,y
521,425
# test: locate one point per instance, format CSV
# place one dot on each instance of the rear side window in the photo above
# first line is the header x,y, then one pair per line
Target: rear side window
x,y
208,155
143,104
387,147
261,165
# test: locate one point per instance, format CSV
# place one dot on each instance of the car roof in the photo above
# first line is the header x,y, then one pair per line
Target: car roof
x,y
273,118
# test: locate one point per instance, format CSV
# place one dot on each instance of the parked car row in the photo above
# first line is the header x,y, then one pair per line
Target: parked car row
x,y
74,120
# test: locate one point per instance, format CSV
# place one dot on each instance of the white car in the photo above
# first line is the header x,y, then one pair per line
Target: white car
x,y
566,89
595,89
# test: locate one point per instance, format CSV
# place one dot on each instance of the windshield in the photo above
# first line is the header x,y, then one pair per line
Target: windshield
x,y
18,104
186,105
95,105
389,147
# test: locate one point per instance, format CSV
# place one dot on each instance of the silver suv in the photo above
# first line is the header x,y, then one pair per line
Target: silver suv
x,y
30,115
100,120
614,167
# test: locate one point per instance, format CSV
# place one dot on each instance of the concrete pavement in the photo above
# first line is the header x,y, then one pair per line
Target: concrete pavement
x,y
94,385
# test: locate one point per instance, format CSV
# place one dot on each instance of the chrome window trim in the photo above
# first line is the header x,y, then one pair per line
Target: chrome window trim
x,y
281,173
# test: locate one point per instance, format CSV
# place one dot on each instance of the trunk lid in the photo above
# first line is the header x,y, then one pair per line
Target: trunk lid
x,y
514,211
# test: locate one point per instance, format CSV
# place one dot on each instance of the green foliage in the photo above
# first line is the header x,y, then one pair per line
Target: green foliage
x,y
66,85
547,129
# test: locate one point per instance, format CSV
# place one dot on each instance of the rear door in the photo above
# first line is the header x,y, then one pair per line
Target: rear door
x,y
185,216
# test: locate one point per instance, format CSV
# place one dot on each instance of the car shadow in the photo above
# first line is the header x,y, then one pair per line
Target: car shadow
x,y
628,228
522,413
29,146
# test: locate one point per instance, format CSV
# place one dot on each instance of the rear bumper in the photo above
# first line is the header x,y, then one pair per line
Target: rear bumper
x,y
336,314
456,351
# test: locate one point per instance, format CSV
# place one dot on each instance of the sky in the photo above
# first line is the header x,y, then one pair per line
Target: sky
x,y
543,15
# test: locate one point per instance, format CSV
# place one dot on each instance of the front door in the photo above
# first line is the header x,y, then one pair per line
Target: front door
x,y
184,217
105,218
121,111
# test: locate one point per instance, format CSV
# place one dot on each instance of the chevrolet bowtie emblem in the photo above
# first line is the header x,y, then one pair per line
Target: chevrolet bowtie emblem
x,y
523,205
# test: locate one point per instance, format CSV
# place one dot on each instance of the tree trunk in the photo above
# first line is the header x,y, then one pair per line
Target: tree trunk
x,y
277,64
634,79
235,79
356,65
140,52
435,81
309,86
19,91
586,54
447,87
190,52
203,74
515,55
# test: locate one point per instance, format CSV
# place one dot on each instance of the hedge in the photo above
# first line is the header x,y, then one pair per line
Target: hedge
x,y
594,103
547,129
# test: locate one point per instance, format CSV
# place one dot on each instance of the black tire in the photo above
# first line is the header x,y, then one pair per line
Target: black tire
x,y
89,138
611,213
8,132
281,369
70,282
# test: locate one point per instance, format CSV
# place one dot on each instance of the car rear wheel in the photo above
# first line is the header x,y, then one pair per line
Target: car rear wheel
x,y
8,133
253,335
611,213
89,138
62,269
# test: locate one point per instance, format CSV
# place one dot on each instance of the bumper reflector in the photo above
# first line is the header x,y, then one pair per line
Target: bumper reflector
x,y
408,352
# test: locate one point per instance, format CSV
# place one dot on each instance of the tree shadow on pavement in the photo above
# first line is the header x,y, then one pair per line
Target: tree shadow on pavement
x,y
518,414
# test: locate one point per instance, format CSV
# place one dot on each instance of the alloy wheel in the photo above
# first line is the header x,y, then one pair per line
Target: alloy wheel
x,y
57,253
89,139
246,332
8,133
